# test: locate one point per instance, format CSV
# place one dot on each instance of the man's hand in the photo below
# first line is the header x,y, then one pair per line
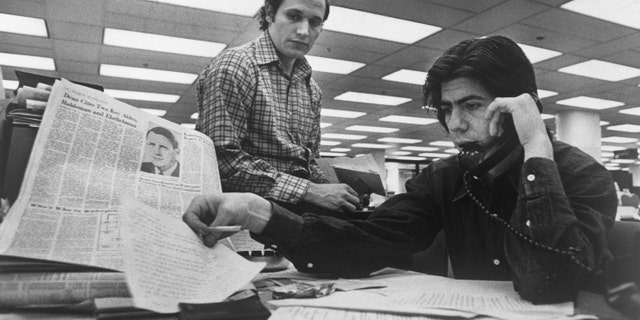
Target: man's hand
x,y
336,197
246,210
527,121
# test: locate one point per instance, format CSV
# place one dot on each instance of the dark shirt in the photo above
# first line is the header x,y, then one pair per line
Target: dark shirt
x,y
569,202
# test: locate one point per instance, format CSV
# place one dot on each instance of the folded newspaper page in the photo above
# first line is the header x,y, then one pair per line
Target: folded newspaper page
x,y
90,151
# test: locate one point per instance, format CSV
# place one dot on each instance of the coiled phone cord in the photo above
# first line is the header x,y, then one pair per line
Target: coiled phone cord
x,y
571,252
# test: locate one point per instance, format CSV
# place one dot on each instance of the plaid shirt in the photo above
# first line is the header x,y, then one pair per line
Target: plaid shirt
x,y
264,124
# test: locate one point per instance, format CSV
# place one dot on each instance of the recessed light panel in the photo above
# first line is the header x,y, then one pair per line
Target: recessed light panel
x,y
333,65
537,54
371,129
26,61
634,111
409,158
343,136
401,153
602,70
625,128
340,149
143,96
407,76
615,139
155,112
10,84
377,26
325,112
624,12
23,25
611,148
372,98
371,145
325,124
246,8
147,74
194,116
546,93
399,140
329,143
434,155
546,116
161,43
409,120
590,103
447,144
191,126
332,154
416,148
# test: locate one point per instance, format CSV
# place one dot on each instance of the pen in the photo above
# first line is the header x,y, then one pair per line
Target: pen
x,y
225,228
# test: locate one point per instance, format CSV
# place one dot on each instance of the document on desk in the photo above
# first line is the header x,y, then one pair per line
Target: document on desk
x,y
91,150
166,263
421,294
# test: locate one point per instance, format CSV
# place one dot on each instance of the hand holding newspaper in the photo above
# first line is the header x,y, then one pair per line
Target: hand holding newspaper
x,y
90,152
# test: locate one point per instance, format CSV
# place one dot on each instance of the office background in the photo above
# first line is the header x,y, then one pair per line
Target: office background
x,y
582,62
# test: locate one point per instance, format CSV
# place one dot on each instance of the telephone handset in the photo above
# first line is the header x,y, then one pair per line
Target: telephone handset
x,y
477,166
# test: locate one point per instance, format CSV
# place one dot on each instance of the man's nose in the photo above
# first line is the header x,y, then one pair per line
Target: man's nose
x,y
457,121
303,29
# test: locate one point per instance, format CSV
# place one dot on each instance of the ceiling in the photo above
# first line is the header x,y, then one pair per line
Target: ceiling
x,y
76,29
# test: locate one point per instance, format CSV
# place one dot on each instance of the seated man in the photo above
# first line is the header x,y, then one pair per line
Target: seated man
x,y
514,204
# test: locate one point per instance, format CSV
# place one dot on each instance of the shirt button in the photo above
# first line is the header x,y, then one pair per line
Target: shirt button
x,y
528,223
309,265
531,177
496,262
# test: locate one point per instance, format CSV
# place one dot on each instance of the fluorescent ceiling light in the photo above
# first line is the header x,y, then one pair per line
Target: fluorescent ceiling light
x,y
452,151
409,120
401,153
338,66
332,154
371,145
604,123
590,103
325,124
410,158
155,112
625,128
340,149
372,98
156,42
546,116
407,76
602,70
611,148
623,161
329,143
371,129
23,25
537,54
624,12
606,154
634,111
246,8
10,85
434,155
415,148
448,144
377,26
191,126
340,113
147,74
194,116
343,136
546,93
399,140
25,61
144,96
615,139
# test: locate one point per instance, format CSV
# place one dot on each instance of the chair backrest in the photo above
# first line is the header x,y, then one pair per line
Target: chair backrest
x,y
624,238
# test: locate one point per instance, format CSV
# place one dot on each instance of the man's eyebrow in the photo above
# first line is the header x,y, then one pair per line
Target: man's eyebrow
x,y
463,99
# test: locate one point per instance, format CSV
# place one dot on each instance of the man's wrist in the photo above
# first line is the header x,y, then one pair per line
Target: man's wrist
x,y
260,212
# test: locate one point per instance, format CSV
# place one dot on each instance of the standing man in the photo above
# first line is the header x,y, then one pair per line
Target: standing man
x,y
162,149
514,204
261,108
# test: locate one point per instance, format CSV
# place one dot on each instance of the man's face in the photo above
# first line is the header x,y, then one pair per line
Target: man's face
x,y
295,27
163,155
464,102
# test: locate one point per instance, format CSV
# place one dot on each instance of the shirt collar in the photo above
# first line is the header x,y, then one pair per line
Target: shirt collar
x,y
168,172
266,53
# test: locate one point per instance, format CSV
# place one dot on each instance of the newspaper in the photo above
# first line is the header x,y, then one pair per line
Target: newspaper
x,y
58,288
90,151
